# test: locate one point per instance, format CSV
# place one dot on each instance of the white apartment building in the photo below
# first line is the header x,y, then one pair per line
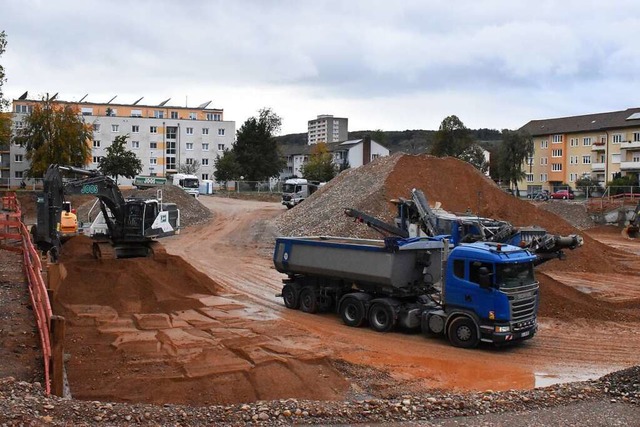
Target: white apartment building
x,y
163,137
327,128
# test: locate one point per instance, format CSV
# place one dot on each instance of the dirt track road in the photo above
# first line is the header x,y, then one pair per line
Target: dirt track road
x,y
235,250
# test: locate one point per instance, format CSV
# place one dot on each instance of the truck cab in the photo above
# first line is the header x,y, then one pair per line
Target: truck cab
x,y
296,190
189,183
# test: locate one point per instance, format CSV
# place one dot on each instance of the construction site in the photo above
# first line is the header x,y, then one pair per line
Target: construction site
x,y
196,334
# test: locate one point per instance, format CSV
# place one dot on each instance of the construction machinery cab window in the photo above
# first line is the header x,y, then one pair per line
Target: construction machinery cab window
x,y
510,276
189,183
477,269
291,188
458,268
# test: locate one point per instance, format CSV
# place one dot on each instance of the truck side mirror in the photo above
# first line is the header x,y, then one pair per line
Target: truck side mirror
x,y
484,277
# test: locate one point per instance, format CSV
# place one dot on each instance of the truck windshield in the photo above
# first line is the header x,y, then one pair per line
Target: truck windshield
x,y
514,275
190,183
288,188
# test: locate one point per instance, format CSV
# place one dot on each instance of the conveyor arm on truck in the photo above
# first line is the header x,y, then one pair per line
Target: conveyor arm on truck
x,y
376,224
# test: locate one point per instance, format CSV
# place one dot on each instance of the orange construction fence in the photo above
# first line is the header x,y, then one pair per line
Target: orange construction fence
x,y
15,236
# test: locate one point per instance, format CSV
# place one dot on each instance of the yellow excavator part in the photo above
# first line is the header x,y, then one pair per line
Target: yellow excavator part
x,y
68,224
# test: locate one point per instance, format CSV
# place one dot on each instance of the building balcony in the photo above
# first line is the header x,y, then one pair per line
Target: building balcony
x,y
597,166
630,166
629,145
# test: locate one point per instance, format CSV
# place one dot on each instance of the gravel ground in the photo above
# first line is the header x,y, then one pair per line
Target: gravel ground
x,y
612,398
574,213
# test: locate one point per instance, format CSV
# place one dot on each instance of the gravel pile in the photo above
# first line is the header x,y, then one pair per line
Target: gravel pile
x,y
192,212
24,403
323,213
575,213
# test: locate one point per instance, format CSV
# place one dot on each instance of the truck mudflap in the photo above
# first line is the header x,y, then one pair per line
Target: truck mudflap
x,y
489,334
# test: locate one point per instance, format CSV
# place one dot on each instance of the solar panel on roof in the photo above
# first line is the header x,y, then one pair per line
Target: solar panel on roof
x,y
634,116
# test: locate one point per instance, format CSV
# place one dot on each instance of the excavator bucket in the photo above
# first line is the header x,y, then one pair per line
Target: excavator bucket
x,y
631,232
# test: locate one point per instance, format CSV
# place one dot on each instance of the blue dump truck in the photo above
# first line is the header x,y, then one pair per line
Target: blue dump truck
x,y
482,291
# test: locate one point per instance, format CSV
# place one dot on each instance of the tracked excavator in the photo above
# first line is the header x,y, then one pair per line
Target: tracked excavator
x,y
132,224
632,231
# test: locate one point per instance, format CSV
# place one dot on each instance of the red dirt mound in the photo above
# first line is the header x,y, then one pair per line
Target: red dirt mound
x,y
459,186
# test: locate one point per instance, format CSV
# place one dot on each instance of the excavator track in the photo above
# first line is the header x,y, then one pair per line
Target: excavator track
x,y
104,251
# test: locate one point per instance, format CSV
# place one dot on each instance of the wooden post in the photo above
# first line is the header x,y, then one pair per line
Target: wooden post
x,y
57,355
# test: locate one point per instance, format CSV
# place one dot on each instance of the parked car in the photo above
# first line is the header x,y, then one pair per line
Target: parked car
x,y
562,194
539,195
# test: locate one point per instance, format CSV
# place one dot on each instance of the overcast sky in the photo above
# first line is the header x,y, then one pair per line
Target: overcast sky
x,y
390,65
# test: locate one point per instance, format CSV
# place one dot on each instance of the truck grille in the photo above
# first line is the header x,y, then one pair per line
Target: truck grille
x,y
522,301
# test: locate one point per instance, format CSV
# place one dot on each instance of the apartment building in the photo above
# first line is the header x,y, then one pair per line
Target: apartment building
x,y
327,128
163,137
352,153
597,145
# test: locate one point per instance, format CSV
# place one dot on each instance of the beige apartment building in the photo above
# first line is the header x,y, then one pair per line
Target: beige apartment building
x,y
598,145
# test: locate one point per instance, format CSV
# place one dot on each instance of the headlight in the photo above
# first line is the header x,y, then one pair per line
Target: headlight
x,y
503,328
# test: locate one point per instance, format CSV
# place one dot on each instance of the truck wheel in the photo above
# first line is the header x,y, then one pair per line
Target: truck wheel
x,y
352,312
463,333
381,317
308,300
291,296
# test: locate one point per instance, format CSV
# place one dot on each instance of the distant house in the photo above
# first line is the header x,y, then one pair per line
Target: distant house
x,y
352,153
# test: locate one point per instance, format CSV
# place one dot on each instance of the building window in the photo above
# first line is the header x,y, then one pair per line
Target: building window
x,y
636,136
170,162
205,176
205,146
96,144
115,128
96,127
188,161
18,174
24,109
189,131
529,177
220,132
543,177
96,159
557,139
135,144
529,161
205,162
193,116
153,129
18,158
153,161
615,158
617,138
544,161
111,112
573,160
556,153
586,160
158,114
573,142
174,114
214,117
556,167
544,144
86,111
153,145
205,131
135,129
573,177
172,131
220,147
586,141
189,145
136,113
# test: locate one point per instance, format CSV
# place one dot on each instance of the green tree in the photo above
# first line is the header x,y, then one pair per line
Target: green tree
x,y
452,138
320,165
54,134
227,168
5,117
516,149
475,156
591,185
119,161
622,184
256,150
189,168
